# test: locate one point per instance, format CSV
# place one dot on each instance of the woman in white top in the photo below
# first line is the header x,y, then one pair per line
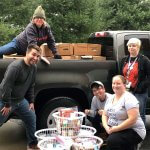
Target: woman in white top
x,y
121,118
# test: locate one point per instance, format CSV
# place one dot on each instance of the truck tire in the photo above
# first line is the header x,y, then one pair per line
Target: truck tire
x,y
45,118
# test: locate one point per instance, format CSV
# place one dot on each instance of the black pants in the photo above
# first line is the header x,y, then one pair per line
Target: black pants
x,y
123,140
96,123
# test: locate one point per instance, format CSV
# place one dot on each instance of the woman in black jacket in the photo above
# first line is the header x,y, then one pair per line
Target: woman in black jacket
x,y
136,70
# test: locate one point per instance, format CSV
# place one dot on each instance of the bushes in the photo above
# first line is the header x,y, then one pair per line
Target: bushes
x,y
8,32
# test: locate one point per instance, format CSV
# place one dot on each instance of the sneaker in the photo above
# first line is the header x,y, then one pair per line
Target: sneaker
x,y
32,147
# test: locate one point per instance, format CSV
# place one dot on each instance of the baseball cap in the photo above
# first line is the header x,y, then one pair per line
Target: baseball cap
x,y
96,83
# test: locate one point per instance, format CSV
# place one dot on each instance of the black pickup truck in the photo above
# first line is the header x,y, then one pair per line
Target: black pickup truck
x,y
65,83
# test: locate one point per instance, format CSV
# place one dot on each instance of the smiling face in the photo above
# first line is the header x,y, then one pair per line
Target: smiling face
x,y
38,21
99,92
118,85
32,57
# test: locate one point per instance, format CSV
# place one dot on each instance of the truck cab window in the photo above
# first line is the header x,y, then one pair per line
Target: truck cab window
x,y
145,47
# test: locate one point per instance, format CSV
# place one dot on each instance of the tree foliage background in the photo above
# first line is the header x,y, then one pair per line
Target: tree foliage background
x,y
74,20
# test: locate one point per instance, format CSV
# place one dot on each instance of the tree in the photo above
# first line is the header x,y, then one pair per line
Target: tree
x,y
7,32
74,20
71,20
124,14
18,12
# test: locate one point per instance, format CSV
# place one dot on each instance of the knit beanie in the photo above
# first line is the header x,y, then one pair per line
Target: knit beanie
x,y
39,12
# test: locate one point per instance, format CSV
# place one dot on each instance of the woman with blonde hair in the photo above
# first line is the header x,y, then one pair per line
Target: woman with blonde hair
x,y
121,118
136,69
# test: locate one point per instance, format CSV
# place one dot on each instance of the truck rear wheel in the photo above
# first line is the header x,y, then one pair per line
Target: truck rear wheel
x,y
45,118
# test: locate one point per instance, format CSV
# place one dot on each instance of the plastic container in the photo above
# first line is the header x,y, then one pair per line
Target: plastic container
x,y
87,143
69,126
55,143
52,132
86,130
50,144
46,133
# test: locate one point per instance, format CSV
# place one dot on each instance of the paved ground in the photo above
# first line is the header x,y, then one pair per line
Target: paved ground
x,y
146,143
13,137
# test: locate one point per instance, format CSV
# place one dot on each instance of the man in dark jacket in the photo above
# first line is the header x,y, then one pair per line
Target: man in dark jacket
x,y
17,92
37,32
136,69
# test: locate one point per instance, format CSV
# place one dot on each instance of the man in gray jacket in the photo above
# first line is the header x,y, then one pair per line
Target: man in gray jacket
x,y
97,106
17,92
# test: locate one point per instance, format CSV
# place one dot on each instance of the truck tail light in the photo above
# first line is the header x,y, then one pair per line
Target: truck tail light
x,y
100,34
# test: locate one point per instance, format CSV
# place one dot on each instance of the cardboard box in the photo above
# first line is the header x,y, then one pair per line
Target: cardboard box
x,y
99,58
13,56
80,49
46,52
77,57
72,57
68,57
94,49
65,49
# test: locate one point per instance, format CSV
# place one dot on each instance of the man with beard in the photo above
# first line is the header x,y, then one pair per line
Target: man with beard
x,y
17,92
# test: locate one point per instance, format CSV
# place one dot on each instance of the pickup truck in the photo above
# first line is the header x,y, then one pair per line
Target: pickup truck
x,y
65,83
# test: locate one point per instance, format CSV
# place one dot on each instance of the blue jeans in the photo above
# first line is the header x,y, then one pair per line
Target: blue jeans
x,y
9,48
26,115
142,98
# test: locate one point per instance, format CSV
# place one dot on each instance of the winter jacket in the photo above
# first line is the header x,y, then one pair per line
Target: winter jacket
x,y
34,35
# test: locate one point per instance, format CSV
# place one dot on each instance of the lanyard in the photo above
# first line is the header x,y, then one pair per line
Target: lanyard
x,y
130,66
